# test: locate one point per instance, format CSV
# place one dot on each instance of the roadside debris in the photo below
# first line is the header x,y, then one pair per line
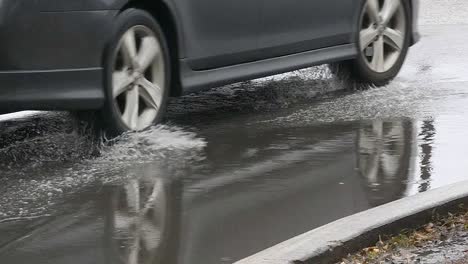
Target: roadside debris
x,y
444,240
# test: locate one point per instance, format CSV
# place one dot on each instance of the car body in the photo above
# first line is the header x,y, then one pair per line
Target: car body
x,y
53,50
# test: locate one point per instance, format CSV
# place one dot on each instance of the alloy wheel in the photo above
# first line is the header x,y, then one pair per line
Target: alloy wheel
x,y
138,77
382,33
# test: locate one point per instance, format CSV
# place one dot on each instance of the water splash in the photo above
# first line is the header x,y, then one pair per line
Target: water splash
x,y
275,92
35,190
155,143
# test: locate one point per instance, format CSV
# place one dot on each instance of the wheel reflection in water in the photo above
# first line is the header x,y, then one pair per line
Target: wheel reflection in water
x,y
385,151
137,225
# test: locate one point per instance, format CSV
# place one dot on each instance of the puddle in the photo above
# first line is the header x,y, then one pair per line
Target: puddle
x,y
179,197
237,169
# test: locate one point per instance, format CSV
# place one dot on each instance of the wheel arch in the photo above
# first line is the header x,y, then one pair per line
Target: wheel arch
x,y
165,13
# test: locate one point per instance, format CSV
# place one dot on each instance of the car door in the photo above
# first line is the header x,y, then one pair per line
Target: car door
x,y
219,32
291,26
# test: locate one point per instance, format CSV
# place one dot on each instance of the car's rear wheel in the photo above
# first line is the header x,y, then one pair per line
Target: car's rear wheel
x,y
383,41
137,74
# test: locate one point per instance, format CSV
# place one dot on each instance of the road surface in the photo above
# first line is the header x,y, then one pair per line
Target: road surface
x,y
239,168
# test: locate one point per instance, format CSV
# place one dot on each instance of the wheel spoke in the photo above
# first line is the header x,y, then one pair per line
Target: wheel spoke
x,y
151,235
146,118
378,59
133,196
121,82
152,199
389,9
148,51
130,115
367,36
122,220
394,38
373,10
129,48
150,93
133,256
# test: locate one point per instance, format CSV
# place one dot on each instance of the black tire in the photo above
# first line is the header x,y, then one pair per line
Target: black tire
x,y
357,73
108,119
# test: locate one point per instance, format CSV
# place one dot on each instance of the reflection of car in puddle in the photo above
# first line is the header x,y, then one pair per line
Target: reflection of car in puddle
x,y
230,213
385,159
139,220
260,188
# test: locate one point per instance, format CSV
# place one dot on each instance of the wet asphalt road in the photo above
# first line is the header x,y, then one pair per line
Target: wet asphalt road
x,y
239,168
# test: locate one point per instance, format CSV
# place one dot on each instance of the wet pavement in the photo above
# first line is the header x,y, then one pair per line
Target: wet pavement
x,y
239,168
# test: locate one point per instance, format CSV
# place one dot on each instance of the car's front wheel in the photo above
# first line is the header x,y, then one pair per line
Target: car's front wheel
x,y
137,79
383,40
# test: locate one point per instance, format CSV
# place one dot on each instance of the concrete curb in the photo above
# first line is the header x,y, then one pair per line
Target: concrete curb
x,y
332,242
